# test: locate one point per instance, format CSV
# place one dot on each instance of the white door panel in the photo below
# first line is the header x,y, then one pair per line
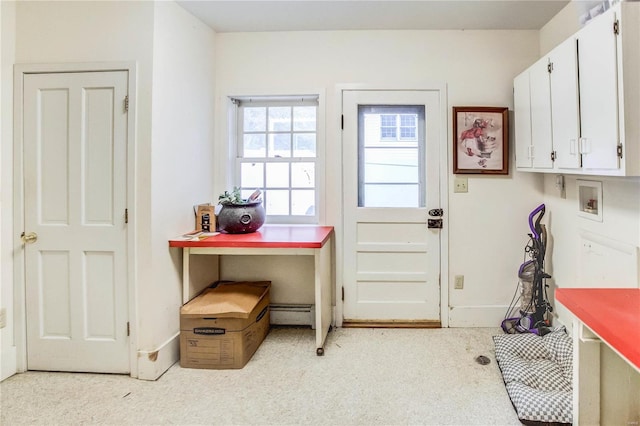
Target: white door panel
x,y
75,144
598,77
392,261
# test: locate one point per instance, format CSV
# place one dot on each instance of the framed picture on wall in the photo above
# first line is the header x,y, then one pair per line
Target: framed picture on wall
x,y
481,140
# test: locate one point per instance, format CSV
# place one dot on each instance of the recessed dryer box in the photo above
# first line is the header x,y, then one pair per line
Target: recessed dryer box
x,y
224,326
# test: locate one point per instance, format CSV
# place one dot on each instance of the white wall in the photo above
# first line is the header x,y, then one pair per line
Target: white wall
x,y
620,225
7,55
173,53
488,224
182,162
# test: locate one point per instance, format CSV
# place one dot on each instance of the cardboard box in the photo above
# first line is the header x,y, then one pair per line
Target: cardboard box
x,y
205,218
224,326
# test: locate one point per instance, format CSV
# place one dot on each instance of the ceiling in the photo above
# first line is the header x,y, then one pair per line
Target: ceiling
x,y
322,15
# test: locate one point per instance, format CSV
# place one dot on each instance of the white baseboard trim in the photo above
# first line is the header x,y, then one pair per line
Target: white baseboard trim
x,y
477,316
153,364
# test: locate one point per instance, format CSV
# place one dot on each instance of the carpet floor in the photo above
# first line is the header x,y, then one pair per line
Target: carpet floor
x,y
366,377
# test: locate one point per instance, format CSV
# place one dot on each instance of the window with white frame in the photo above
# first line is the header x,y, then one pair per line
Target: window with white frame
x,y
398,127
276,147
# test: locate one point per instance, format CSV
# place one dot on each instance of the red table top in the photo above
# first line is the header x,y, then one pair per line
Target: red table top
x,y
268,236
611,313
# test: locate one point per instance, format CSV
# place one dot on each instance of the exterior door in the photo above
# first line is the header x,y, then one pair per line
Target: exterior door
x,y
75,156
391,162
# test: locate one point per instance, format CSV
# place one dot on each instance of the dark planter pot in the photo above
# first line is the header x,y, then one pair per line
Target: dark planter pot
x,y
241,218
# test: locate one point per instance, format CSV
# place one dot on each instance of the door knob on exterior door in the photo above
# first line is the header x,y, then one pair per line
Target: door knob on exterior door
x,y
29,237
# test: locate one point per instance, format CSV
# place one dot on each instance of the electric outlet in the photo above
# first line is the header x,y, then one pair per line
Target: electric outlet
x,y
458,282
3,317
461,185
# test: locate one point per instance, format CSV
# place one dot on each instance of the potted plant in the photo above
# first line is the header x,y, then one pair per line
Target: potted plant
x,y
238,215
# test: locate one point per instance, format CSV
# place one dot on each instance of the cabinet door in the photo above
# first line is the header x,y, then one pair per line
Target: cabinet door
x,y
565,114
598,94
541,137
522,120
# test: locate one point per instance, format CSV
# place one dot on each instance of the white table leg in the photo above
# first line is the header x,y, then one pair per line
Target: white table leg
x,y
586,376
185,274
323,285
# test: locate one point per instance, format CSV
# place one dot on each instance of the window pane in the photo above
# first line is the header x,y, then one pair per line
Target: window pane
x,y
304,118
277,175
255,145
280,145
277,202
303,175
255,119
387,126
391,172
279,119
251,175
391,195
391,165
303,202
304,145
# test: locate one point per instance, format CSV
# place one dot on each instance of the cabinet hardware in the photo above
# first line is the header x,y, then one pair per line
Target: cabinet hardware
x,y
616,27
553,155
619,150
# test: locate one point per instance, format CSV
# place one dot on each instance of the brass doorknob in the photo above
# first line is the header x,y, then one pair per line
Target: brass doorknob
x,y
29,237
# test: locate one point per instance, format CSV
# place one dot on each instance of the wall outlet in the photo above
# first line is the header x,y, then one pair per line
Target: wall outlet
x,y
461,185
3,317
458,282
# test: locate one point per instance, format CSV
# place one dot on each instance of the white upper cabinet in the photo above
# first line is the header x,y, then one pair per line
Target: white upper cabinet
x,y
522,120
594,97
565,113
541,115
533,117
598,94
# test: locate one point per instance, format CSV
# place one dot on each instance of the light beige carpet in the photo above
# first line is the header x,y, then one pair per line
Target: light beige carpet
x,y
367,377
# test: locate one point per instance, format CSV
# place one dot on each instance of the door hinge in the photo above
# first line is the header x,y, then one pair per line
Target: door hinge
x,y
126,215
343,294
620,150
616,27
554,155
126,103
128,328
550,67
342,122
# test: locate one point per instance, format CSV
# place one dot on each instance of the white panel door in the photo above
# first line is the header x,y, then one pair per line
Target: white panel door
x,y
75,145
391,169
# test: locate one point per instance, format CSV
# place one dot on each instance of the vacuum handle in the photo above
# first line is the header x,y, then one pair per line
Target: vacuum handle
x,y
536,229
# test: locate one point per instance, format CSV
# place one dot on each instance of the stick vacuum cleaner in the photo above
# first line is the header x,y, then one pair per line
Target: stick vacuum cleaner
x,y
534,305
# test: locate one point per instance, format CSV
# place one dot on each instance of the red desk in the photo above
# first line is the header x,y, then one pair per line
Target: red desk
x,y
273,240
602,315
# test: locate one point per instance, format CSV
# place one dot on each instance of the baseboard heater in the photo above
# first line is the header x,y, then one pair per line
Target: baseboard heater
x,y
293,314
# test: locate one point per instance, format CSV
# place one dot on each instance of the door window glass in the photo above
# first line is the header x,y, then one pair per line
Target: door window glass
x,y
391,156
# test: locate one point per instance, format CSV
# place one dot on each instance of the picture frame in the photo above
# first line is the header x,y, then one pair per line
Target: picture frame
x,y
480,140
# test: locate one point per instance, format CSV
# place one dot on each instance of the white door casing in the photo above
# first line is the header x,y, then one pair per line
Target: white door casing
x,y
75,133
391,266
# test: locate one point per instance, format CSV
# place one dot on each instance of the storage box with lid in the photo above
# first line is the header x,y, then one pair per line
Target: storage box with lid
x,y
223,326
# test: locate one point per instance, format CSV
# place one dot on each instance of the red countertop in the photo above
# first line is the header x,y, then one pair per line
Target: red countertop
x,y
268,236
612,313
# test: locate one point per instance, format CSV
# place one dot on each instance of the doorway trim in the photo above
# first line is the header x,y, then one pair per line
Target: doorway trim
x,y
19,282
443,172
